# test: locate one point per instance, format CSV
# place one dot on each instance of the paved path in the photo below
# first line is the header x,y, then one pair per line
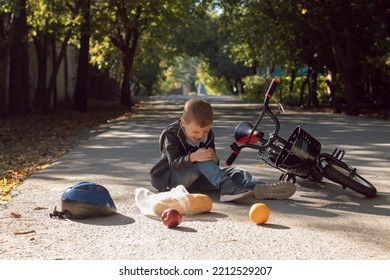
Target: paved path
x,y
321,221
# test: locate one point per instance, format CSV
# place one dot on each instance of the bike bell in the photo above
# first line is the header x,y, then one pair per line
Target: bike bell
x,y
85,199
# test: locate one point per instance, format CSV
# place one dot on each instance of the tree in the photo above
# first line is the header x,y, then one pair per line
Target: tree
x,y
81,90
128,21
209,41
132,40
60,18
19,85
338,35
5,41
148,63
357,30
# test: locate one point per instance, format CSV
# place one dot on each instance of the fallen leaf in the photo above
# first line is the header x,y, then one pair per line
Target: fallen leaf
x,y
42,166
228,241
31,143
15,215
24,232
40,208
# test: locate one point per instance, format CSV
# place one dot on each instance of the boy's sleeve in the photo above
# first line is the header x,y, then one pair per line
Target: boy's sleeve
x,y
211,143
177,158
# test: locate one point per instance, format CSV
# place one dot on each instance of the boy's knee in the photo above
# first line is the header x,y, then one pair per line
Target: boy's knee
x,y
206,163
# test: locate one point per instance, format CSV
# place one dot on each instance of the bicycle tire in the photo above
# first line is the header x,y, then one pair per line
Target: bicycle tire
x,y
342,175
315,175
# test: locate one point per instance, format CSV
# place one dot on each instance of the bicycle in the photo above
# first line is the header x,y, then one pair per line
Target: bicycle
x,y
300,155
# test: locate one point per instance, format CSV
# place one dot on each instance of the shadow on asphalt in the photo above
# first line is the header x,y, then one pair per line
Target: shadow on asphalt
x,y
333,197
114,220
372,206
273,226
323,199
205,217
183,229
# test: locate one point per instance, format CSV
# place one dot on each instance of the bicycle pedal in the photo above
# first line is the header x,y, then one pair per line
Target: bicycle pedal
x,y
338,153
287,177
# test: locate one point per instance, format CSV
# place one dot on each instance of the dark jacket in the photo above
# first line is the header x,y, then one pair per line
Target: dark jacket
x,y
175,153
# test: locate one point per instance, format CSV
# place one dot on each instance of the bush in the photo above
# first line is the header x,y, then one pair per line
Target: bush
x,y
294,98
254,84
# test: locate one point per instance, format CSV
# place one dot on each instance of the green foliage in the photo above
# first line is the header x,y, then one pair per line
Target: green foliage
x,y
52,17
214,84
147,65
182,70
6,6
166,81
293,98
254,85
316,33
233,41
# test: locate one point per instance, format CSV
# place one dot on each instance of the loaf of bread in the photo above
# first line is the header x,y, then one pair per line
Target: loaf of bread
x,y
166,203
200,203
196,203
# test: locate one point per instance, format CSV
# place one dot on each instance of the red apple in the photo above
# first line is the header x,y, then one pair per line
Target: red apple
x,y
171,217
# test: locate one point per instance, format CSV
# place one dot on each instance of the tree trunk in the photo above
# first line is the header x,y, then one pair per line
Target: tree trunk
x,y
334,100
53,62
57,63
53,77
293,76
305,82
344,55
40,42
313,86
128,60
125,86
149,89
81,90
66,74
241,86
4,55
19,64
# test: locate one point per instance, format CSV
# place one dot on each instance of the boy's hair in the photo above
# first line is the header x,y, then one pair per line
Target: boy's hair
x,y
199,111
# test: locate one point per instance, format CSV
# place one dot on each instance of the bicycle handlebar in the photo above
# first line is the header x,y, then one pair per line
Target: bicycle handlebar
x,y
232,157
271,89
236,149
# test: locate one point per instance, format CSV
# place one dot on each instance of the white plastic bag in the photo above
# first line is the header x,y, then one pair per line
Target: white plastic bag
x,y
151,203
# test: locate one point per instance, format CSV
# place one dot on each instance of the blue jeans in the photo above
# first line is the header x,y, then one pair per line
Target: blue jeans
x,y
207,175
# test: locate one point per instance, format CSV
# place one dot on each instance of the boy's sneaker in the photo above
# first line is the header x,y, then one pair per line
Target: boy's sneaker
x,y
279,190
231,191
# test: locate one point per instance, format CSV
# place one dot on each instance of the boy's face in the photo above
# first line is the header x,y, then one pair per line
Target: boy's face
x,y
195,132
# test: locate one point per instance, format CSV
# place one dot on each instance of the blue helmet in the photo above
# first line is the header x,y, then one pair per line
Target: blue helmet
x,y
86,199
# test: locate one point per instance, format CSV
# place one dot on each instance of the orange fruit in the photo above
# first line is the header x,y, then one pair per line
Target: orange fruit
x,y
259,213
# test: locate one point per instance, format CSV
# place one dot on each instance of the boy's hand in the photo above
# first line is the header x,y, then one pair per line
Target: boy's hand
x,y
203,154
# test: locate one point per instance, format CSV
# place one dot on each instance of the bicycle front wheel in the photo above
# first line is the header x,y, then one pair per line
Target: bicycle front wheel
x,y
347,177
315,175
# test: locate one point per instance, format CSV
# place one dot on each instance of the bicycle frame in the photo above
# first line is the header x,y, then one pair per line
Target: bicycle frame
x,y
273,136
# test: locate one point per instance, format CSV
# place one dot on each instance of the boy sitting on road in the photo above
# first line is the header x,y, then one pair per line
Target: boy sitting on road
x,y
188,158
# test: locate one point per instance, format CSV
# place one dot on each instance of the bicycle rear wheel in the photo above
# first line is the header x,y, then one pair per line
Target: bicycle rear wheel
x,y
342,174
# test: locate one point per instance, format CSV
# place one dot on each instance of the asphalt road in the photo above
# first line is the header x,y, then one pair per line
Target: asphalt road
x,y
321,221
